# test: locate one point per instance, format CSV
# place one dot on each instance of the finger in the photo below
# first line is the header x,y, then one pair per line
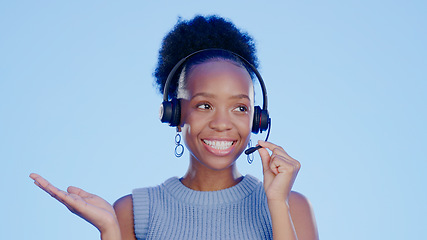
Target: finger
x,y
280,164
39,180
265,158
85,197
277,150
43,183
80,192
287,158
75,198
277,163
57,193
272,147
46,186
34,175
267,173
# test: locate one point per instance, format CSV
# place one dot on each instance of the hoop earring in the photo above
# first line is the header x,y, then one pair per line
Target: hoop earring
x,y
179,148
250,157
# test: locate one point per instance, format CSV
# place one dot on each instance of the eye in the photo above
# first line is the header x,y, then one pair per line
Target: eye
x,y
204,106
241,108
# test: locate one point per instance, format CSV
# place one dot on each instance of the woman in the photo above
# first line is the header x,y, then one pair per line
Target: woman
x,y
213,99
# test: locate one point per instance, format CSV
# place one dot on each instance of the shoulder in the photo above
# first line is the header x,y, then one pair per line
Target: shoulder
x,y
124,212
302,216
298,200
124,204
124,200
299,205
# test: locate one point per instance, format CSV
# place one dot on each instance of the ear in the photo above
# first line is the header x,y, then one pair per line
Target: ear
x,y
178,128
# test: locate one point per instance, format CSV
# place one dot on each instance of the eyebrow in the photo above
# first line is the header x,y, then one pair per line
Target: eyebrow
x,y
209,95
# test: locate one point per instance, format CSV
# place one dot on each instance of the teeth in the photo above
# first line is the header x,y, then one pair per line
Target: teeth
x,y
221,145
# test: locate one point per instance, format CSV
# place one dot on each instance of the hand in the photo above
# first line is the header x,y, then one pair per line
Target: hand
x,y
280,171
88,206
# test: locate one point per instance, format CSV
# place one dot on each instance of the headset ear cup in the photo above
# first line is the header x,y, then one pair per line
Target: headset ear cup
x,y
176,113
256,121
264,120
170,112
165,113
261,120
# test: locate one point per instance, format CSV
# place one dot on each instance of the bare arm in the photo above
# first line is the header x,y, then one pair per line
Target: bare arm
x,y
291,214
303,217
124,212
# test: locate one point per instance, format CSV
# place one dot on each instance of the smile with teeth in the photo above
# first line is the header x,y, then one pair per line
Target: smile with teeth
x,y
220,145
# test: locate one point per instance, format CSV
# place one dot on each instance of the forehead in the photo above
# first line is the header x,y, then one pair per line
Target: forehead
x,y
218,76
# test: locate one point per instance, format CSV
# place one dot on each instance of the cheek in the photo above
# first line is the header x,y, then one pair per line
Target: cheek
x,y
245,122
187,137
245,126
191,126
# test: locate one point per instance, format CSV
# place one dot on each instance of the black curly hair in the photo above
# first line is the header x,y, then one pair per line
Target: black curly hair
x,y
201,32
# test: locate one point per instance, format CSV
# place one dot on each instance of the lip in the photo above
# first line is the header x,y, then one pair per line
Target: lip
x,y
217,151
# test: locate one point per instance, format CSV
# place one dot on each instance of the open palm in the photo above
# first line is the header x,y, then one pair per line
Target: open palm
x,y
88,206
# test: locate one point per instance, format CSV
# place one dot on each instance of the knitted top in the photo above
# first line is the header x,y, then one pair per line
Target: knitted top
x,y
173,211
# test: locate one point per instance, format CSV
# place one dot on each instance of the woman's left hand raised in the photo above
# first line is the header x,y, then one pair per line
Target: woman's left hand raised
x,y
280,171
88,206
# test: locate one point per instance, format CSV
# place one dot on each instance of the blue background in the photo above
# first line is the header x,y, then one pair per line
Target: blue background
x,y
346,83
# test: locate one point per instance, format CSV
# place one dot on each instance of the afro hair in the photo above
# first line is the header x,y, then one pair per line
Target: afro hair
x,y
196,34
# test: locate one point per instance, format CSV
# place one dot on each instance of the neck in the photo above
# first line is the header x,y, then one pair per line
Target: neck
x,y
200,178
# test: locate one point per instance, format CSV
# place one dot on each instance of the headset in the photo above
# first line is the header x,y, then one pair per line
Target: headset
x,y
170,110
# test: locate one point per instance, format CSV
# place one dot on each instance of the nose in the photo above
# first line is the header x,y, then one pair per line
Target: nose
x,y
221,121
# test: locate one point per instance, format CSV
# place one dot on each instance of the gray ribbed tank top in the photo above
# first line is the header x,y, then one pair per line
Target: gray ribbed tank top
x,y
173,211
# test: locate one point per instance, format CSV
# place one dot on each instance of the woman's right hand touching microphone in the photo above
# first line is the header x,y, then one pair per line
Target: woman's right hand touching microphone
x,y
88,206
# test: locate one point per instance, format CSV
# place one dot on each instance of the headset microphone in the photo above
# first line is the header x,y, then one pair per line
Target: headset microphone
x,y
253,149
